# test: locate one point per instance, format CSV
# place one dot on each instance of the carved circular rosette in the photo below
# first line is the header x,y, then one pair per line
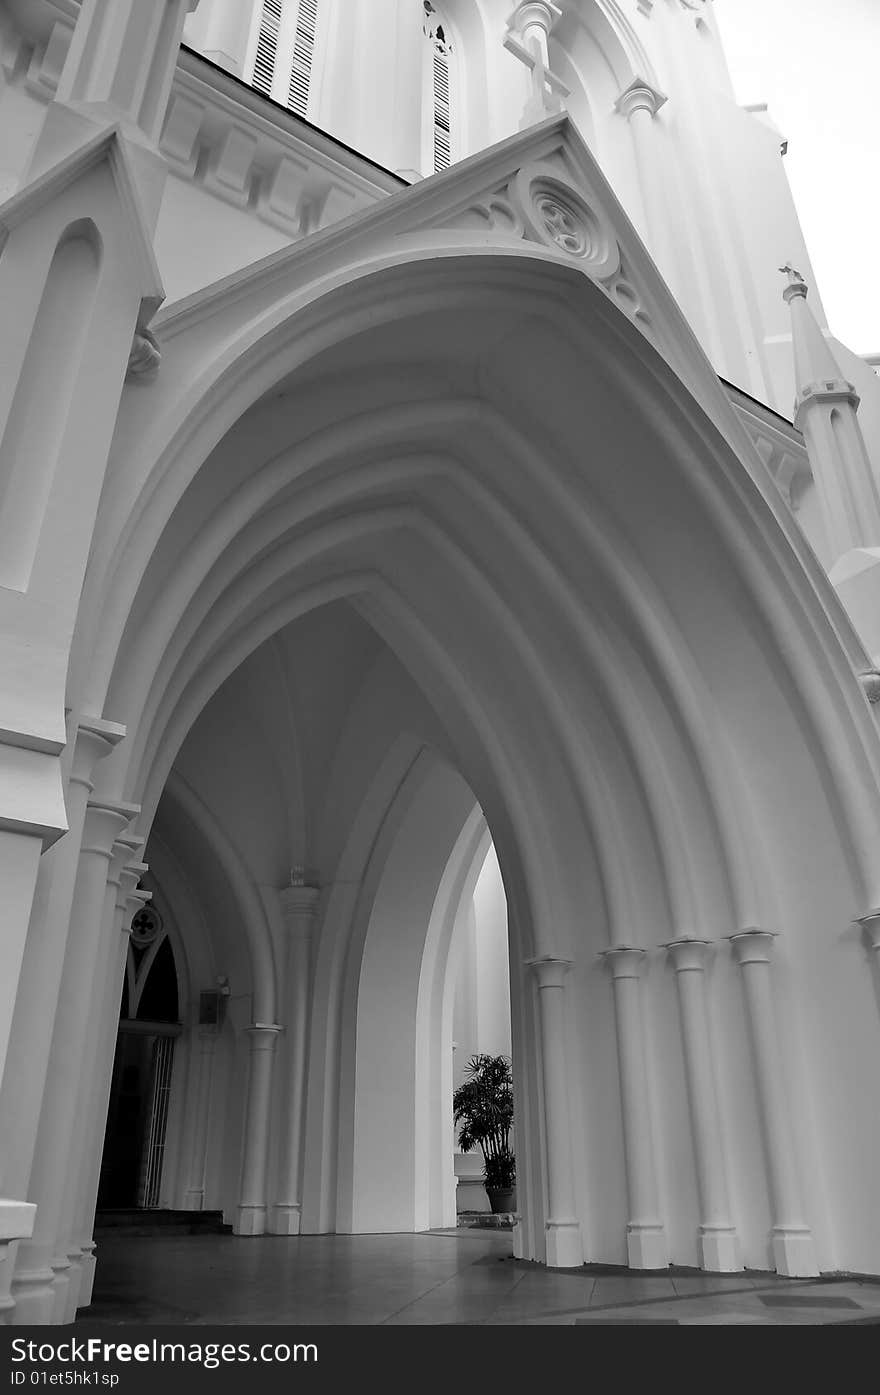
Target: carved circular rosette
x,y
556,215
146,925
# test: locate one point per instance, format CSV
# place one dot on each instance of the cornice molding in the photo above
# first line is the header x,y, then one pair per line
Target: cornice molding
x,y
226,137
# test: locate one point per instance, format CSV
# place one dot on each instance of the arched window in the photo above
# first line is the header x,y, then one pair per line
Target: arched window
x,y
284,52
439,115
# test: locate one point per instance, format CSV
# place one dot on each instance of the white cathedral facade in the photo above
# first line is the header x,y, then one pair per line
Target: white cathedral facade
x,y
435,524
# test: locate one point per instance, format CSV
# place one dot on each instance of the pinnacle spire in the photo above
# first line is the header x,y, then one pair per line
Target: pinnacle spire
x,y
815,367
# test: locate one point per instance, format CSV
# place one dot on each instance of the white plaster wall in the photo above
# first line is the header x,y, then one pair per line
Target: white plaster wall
x,y
201,239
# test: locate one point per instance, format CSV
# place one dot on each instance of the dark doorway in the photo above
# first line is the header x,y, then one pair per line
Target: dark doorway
x,y
137,1116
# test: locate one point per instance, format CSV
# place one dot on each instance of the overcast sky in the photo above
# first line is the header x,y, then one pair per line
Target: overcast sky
x,y
816,63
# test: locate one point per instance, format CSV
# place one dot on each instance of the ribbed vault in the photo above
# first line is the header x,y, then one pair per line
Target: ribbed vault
x,y
589,587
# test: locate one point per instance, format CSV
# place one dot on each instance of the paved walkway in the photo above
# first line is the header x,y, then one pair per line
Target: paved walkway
x,y
458,1277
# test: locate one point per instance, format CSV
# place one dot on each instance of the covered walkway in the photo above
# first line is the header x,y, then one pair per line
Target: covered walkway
x,y
438,1277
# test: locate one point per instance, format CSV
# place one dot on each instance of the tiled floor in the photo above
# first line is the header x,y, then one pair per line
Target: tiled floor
x,y
458,1277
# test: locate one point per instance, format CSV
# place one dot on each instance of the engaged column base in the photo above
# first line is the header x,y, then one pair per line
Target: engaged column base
x,y
565,1248
719,1250
33,1291
794,1253
517,1238
69,1294
249,1220
285,1220
646,1247
16,1223
87,1274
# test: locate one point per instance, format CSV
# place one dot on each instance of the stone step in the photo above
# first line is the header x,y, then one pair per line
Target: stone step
x,y
138,1222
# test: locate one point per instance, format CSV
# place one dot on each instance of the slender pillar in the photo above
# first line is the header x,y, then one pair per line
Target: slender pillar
x,y
124,898
204,1044
640,103
565,1248
645,1238
528,37
250,1216
36,988
299,904
719,1250
826,411
793,1249
88,1135
41,1268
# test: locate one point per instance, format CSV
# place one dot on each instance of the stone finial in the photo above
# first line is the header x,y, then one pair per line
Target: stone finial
x,y
796,286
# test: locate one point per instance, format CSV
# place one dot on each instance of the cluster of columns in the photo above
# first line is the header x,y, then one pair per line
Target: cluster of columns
x,y
254,1216
60,905
71,977
791,1238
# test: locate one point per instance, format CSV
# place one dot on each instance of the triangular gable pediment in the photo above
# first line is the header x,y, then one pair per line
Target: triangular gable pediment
x,y
108,147
541,185
541,189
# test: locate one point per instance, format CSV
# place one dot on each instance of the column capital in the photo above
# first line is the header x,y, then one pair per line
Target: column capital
x,y
93,739
624,961
544,13
125,850
640,96
299,905
688,956
263,1035
104,821
753,946
549,970
130,896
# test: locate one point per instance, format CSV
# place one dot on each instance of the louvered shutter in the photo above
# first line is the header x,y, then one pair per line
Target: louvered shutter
x,y
442,141
267,46
303,53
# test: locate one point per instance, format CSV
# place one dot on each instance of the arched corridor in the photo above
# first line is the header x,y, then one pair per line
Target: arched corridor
x,y
431,532
346,631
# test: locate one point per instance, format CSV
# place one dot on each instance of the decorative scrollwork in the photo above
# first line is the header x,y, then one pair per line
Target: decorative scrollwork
x,y
563,224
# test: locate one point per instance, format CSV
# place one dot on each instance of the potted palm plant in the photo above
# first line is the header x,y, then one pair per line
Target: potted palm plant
x,y
482,1108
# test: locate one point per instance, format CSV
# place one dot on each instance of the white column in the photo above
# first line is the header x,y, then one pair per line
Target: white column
x,y
826,411
298,904
88,1134
645,1238
719,1250
41,1270
793,1249
203,1042
127,898
250,1218
528,36
565,1248
45,909
640,103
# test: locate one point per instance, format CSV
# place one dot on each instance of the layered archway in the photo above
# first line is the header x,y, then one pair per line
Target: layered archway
x,y
626,658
